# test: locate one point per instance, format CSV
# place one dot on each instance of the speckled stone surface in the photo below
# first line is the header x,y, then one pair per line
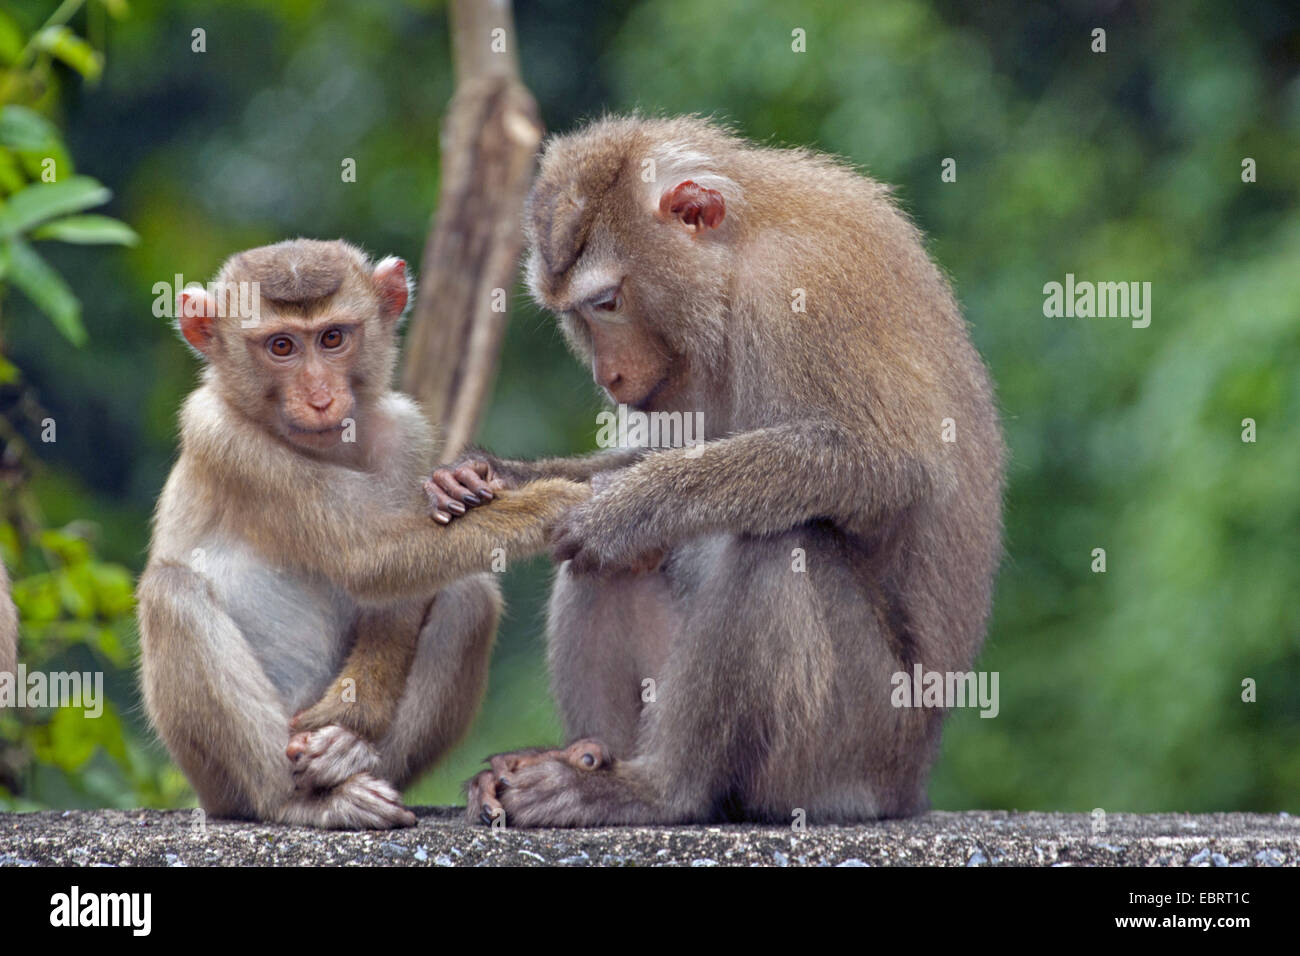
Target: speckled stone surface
x,y
980,838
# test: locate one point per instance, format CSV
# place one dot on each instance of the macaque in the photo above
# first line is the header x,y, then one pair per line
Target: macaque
x,y
728,617
8,627
299,565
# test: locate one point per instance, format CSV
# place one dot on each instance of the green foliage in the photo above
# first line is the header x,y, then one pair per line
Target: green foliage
x,y
35,203
1119,689
76,610
77,615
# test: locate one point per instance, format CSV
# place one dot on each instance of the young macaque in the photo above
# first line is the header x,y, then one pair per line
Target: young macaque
x,y
8,627
297,566
728,617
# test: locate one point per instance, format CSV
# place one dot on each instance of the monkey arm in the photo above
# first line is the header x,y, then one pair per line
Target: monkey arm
x,y
409,554
579,468
759,482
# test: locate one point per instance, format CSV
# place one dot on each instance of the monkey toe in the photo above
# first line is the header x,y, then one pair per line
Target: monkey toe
x,y
589,754
363,801
506,763
481,803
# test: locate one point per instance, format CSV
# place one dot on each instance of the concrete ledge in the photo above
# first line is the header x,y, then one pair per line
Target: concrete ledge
x,y
981,838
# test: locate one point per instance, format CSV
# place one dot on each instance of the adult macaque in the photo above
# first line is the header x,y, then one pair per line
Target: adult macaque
x,y
294,560
726,622
8,627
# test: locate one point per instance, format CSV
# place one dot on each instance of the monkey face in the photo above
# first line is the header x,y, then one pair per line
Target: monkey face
x,y
630,244
300,334
633,364
307,367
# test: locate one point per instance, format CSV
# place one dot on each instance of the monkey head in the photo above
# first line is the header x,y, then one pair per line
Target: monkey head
x,y
630,230
300,334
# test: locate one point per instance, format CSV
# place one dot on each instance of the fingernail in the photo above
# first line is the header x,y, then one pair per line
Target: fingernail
x,y
470,499
440,517
455,507
485,494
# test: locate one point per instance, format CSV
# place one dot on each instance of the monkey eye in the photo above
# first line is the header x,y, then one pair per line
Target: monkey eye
x,y
281,346
611,300
331,339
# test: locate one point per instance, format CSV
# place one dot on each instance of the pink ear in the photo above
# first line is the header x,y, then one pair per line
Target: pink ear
x,y
696,207
195,312
390,283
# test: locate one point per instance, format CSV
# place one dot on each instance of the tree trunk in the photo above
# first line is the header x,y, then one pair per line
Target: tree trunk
x,y
489,145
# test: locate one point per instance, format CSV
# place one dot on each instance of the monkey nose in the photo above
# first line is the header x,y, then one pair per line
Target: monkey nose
x,y
611,382
321,402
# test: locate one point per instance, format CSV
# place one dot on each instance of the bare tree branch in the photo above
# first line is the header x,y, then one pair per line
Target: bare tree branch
x,y
489,145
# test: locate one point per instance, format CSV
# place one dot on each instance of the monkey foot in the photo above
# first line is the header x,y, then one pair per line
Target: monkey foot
x,y
362,802
486,791
324,759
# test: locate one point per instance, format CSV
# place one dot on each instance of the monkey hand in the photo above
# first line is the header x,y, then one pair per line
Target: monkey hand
x,y
452,489
486,791
594,539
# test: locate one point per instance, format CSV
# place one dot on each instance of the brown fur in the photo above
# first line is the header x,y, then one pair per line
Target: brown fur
x,y
290,568
824,435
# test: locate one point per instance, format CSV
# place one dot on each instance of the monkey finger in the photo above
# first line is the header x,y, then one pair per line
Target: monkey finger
x,y
450,484
443,483
480,467
476,483
444,503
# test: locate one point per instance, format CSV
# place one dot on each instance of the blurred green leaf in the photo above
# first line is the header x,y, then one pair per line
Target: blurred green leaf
x,y
88,230
114,589
117,8
71,738
11,176
77,592
41,201
23,128
67,548
63,44
30,273
11,38
37,598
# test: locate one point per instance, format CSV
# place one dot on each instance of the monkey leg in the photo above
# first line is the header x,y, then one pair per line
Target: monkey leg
x,y
364,695
774,701
209,699
448,676
608,638
607,642
224,722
